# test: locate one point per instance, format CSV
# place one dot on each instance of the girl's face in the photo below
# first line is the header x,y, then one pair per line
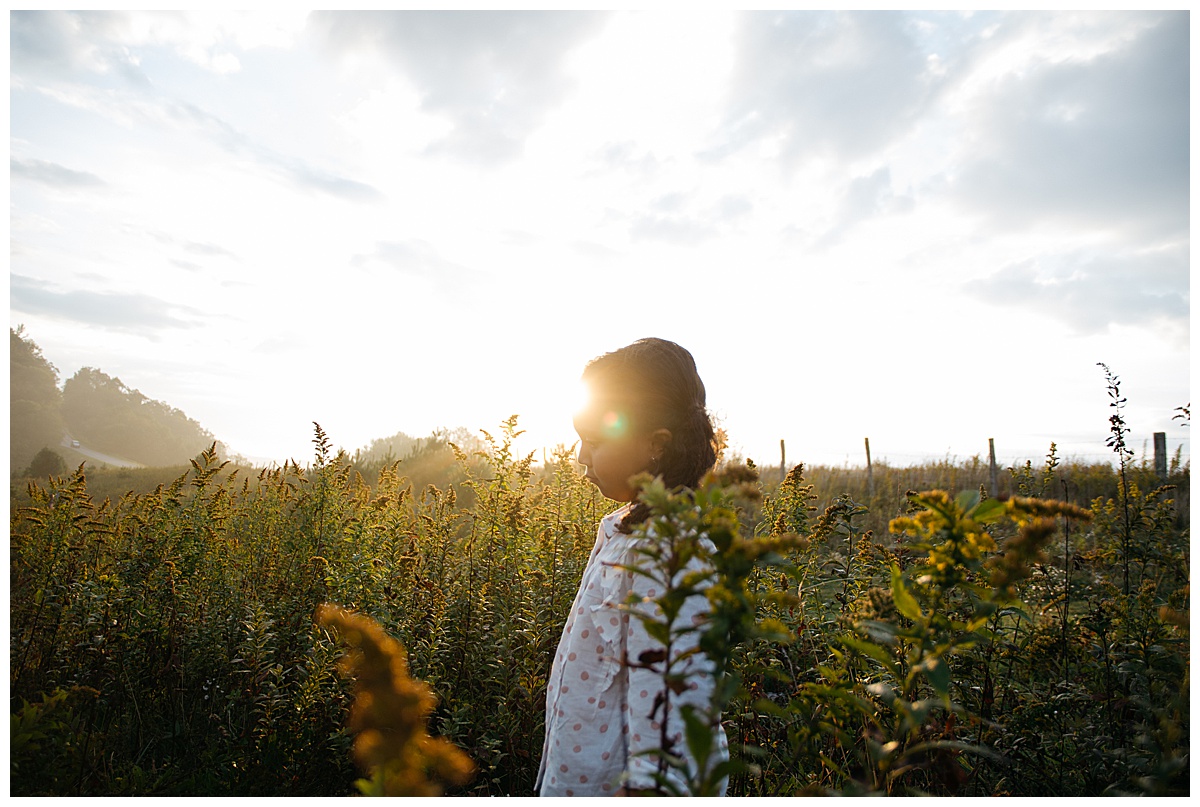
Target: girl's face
x,y
611,454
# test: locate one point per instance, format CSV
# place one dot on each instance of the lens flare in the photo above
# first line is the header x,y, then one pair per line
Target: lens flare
x,y
612,423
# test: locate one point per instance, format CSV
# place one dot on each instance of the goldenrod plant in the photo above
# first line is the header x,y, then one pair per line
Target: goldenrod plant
x,y
390,713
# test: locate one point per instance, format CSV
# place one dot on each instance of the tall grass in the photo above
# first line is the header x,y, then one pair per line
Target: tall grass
x,y
163,642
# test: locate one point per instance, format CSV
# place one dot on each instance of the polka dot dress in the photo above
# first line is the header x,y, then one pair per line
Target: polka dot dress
x,y
597,711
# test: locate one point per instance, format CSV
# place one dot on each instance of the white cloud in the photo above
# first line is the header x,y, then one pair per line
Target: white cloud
x,y
1094,142
820,84
1091,292
494,76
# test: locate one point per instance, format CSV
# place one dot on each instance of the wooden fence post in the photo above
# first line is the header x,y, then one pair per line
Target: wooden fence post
x,y
1160,454
870,479
995,491
782,461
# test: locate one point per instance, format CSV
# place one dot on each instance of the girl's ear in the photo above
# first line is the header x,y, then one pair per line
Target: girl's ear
x,y
658,441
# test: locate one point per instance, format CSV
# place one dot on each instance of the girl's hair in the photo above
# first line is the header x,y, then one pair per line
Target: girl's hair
x,y
654,384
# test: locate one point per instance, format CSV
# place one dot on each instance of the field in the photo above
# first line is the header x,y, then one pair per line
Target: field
x,y
986,642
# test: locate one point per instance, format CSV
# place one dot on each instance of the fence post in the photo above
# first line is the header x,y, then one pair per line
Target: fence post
x,y
870,479
782,461
995,491
1160,454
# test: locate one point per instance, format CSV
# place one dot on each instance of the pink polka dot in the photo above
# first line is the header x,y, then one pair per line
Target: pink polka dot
x,y
605,755
583,779
604,728
566,689
592,699
606,787
584,635
651,593
643,694
553,780
590,586
577,749
570,657
600,705
577,727
654,725
693,686
583,676
570,792
581,609
563,768
637,738
599,649
613,621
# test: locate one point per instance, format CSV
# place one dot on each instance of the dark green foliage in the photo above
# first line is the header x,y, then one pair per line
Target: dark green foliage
x,y
46,463
35,419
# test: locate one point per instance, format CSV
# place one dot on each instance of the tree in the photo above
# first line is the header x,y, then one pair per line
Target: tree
x,y
110,417
46,463
35,413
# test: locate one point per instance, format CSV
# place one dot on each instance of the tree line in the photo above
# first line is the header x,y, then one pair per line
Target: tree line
x,y
96,409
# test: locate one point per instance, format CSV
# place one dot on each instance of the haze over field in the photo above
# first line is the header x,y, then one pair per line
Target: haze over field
x,y
925,228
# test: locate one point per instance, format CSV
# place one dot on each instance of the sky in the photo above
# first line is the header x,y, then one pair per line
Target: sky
x,y
923,229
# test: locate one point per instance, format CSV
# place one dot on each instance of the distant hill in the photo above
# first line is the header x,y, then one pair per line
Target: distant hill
x,y
96,409
107,417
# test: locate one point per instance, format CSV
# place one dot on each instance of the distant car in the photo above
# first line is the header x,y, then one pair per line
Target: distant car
x,y
74,444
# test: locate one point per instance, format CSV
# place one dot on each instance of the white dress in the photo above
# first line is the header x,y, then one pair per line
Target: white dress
x,y
597,710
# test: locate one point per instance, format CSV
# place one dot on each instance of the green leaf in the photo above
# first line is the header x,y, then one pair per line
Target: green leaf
x,y
869,649
967,499
698,732
938,672
987,511
905,602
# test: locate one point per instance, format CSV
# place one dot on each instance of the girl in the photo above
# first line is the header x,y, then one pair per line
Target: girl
x,y
646,412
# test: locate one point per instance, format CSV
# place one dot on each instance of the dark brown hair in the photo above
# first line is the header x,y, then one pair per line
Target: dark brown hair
x,y
655,384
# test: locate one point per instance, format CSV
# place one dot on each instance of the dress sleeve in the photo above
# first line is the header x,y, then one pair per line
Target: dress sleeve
x,y
645,732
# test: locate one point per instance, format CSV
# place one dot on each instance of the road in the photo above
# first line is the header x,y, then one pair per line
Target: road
x,y
115,462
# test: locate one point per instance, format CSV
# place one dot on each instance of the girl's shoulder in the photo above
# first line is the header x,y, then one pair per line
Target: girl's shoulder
x,y
610,524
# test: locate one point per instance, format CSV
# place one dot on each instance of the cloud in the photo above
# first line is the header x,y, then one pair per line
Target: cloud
x,y
288,168
53,174
865,198
823,83
1100,142
627,157
1089,292
681,230
205,250
417,258
136,110
61,43
134,313
670,218
494,75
